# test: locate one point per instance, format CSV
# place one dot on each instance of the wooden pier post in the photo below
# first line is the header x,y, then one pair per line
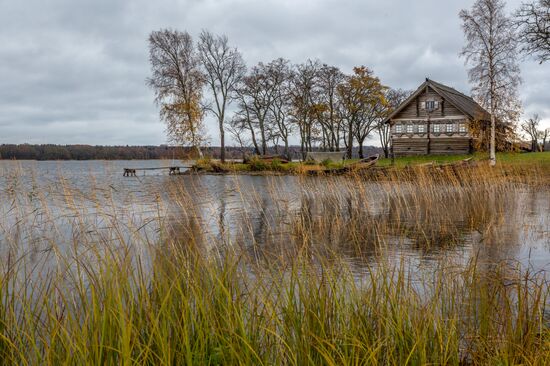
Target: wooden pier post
x,y
172,170
129,172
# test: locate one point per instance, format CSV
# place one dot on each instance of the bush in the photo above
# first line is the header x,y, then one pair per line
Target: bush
x,y
257,165
326,163
276,165
204,163
310,162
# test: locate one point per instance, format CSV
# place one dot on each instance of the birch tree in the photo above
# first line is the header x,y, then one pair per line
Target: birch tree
x,y
280,74
256,94
243,119
544,136
329,78
304,94
224,68
531,128
177,82
373,104
490,52
360,95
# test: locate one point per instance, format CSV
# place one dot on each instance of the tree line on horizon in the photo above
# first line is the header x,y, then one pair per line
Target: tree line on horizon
x,y
89,152
99,152
321,106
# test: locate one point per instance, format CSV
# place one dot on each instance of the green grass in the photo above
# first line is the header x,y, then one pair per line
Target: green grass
x,y
505,159
415,160
502,158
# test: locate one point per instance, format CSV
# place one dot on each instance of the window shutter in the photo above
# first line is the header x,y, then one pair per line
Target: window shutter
x,y
436,104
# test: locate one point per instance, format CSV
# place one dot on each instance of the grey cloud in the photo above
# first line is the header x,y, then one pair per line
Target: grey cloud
x,y
74,71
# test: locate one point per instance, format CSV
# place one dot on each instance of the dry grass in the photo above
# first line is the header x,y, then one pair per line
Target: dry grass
x,y
86,280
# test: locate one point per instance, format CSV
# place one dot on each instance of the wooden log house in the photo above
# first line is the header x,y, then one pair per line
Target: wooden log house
x,y
435,119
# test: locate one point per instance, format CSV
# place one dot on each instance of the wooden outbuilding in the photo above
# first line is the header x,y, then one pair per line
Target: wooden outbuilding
x,y
435,119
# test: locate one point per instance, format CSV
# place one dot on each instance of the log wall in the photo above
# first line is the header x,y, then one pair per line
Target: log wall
x,y
451,145
437,146
410,146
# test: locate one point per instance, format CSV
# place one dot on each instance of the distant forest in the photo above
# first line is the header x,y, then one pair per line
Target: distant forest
x,y
89,152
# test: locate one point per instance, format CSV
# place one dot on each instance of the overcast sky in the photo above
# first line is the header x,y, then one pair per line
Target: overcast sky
x,y
73,71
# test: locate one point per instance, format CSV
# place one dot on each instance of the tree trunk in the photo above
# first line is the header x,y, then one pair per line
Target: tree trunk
x,y
222,142
308,147
199,151
287,155
262,134
350,140
360,149
302,143
337,139
194,137
264,145
492,152
253,136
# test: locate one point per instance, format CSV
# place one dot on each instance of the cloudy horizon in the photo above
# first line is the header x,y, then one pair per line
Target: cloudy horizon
x,y
73,72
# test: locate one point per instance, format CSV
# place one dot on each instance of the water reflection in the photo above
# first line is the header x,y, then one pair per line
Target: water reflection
x,y
72,207
276,217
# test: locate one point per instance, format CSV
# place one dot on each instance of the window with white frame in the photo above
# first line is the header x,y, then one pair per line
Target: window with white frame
x,y
421,128
409,128
450,127
462,127
398,128
437,128
431,105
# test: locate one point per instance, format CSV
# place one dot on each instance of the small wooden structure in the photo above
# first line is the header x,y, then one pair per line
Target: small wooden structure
x,y
129,172
172,170
435,119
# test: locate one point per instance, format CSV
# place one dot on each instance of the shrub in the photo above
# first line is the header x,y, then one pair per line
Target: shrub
x,y
257,165
204,163
276,165
326,163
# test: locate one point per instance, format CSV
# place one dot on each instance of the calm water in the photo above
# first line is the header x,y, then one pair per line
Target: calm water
x,y
51,211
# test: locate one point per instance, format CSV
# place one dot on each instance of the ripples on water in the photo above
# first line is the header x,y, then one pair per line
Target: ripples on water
x,y
53,210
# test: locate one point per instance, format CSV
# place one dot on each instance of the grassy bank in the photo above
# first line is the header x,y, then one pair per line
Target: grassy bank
x,y
511,158
505,160
116,295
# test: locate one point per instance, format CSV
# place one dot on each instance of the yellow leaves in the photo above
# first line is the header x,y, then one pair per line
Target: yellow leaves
x,y
362,90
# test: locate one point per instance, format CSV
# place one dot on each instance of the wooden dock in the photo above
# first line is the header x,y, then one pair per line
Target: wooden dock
x,y
172,170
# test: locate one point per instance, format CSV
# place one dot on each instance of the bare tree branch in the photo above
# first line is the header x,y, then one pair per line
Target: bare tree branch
x,y
533,22
224,68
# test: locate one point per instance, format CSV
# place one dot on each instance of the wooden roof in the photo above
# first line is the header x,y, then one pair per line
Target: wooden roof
x,y
462,102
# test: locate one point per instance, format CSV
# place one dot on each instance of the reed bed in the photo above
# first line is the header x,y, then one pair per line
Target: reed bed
x,y
275,273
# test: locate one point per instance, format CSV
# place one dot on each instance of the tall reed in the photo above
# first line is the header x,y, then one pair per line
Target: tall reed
x,y
269,277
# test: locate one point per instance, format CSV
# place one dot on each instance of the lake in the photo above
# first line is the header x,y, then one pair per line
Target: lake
x,y
53,211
